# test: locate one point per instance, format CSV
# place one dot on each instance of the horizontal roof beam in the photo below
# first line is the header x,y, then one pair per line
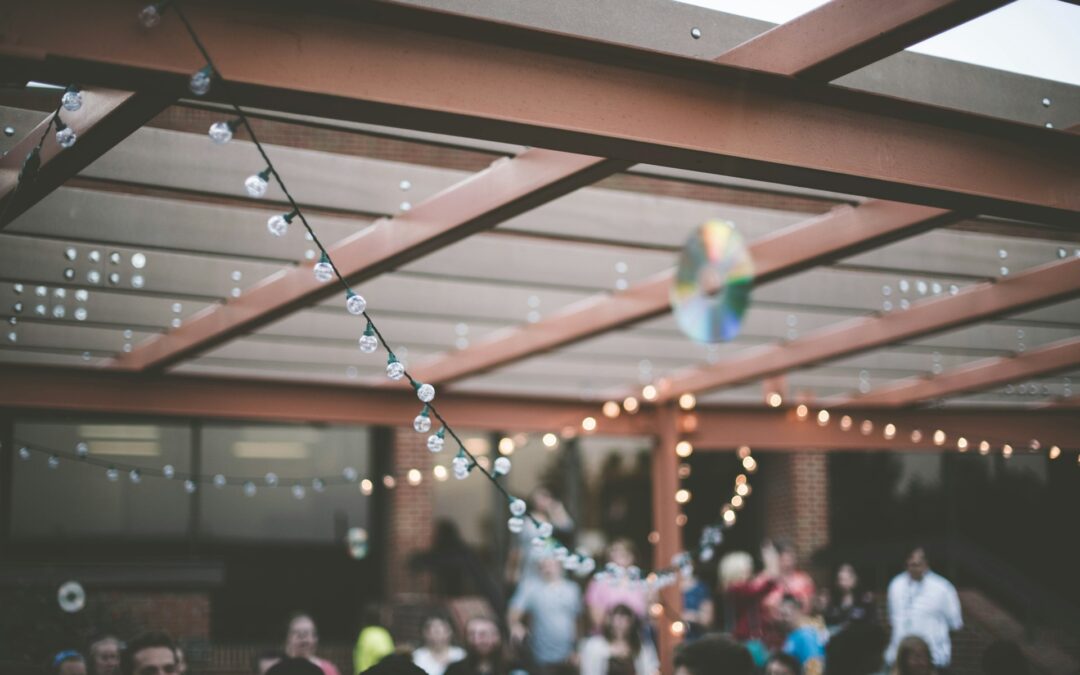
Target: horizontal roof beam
x,y
462,76
1050,283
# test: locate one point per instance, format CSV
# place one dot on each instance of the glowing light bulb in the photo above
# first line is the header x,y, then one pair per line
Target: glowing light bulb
x,y
515,524
678,628
743,451
440,473
220,481
222,132
775,400
366,487
460,466
426,393
518,507
682,496
687,401
550,440
150,16
250,489
112,474
368,342
866,428
135,476
648,392
82,449
823,417
414,477
916,436
890,431
1006,451
502,466
984,447
72,99
199,84
394,368
684,449
1055,452
611,409
545,530
422,422
298,491
750,464
323,270
729,517
630,405
278,224
437,440
190,486
588,424
354,303
65,135
939,437
962,444
168,471
737,501
257,183
802,412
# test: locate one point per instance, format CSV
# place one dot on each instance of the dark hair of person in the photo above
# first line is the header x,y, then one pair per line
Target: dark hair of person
x,y
787,660
790,599
265,655
394,664
294,666
715,654
783,545
1004,658
436,616
634,636
917,547
858,592
855,650
141,642
65,656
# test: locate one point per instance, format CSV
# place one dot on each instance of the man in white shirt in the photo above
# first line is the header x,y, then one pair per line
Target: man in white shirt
x,y
923,604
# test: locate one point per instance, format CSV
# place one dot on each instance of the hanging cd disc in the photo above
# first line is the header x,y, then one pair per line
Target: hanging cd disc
x,y
712,285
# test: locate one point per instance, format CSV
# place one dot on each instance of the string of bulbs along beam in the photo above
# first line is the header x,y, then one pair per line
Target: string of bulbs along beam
x,y
325,271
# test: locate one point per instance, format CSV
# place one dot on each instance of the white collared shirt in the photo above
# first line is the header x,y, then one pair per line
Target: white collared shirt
x,y
928,608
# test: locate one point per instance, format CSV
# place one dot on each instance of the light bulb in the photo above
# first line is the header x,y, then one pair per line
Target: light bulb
x,y
368,342
422,422
65,135
349,474
271,479
460,465
611,409
323,270
222,132
150,16
436,441
189,486
355,303
502,466
318,484
257,183
515,524
168,471
298,491
54,461
24,453
278,224
135,476
394,369
250,489
199,84
219,481
112,474
425,393
518,507
72,99
586,567
82,449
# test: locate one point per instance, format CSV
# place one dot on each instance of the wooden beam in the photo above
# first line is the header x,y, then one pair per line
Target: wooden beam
x,y
105,118
665,482
1043,285
45,390
448,74
482,201
976,376
842,232
842,36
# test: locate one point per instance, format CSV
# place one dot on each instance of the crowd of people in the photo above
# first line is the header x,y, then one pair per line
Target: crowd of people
x,y
773,620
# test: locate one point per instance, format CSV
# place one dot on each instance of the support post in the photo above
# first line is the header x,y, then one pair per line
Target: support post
x,y
665,481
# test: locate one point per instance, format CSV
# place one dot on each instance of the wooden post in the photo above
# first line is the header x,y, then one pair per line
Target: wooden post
x,y
665,481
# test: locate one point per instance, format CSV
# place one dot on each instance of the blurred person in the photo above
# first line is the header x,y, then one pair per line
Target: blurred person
x,y
374,643
805,640
455,568
105,656
856,650
913,658
181,661
848,602
780,557
552,604
619,649
1004,658
149,654
522,563
294,665
395,664
302,640
483,650
698,607
782,664
923,604
714,655
602,596
265,660
69,662
742,594
437,652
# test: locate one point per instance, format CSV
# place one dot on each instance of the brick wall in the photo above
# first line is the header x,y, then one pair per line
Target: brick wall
x,y
410,518
795,494
185,615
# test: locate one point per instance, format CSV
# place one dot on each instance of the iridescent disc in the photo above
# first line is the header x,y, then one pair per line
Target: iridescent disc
x,y
712,283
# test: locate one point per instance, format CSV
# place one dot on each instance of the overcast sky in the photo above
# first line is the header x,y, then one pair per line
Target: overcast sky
x,y
1033,37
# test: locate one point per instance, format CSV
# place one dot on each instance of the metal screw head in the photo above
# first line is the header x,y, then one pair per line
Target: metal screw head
x,y
9,131
1046,103
695,33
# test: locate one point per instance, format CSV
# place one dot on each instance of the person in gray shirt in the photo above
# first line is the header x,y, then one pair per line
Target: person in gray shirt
x,y
551,604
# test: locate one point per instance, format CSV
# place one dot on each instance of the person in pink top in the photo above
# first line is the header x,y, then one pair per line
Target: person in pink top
x,y
302,640
603,596
789,581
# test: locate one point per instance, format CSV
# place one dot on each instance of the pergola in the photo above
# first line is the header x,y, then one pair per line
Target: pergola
x,y
913,221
